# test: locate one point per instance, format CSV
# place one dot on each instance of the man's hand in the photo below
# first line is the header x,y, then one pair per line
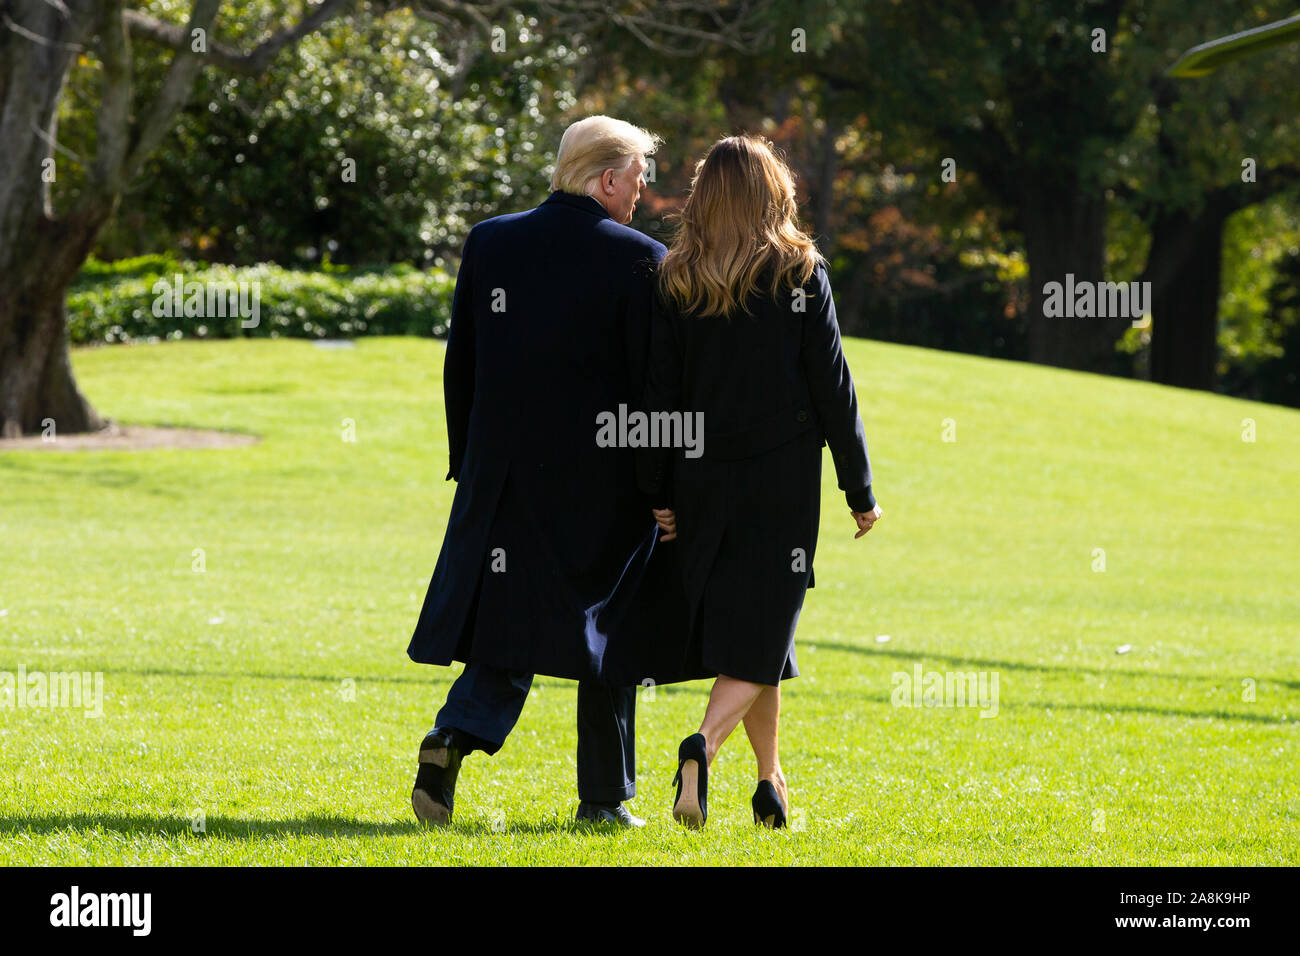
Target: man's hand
x,y
666,518
865,520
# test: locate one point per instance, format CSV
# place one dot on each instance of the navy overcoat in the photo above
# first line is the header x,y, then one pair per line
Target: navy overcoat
x,y
549,538
772,388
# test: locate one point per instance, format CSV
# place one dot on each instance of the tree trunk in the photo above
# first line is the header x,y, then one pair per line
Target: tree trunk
x,y
1065,234
37,388
39,392
822,189
39,255
1186,261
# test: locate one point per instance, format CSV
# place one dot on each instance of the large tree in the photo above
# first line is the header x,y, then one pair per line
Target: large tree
x,y
42,247
44,239
1208,148
1057,106
1032,97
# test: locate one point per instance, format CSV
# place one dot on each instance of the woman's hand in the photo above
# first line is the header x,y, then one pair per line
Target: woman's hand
x,y
666,518
865,520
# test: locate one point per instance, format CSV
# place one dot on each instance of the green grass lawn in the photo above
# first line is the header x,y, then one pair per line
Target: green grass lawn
x,y
271,692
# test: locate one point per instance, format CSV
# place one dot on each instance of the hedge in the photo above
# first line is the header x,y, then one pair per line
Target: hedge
x,y
117,301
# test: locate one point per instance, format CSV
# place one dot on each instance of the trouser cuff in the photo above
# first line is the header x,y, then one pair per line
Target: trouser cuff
x,y
606,794
467,737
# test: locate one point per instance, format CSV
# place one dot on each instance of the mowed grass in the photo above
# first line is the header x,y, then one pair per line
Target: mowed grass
x,y
271,693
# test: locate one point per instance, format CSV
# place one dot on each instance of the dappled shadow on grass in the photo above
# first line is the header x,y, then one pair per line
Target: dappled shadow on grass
x,y
429,681
103,477
216,826
702,688
1170,712
1011,706
432,681
235,828
1065,669
263,388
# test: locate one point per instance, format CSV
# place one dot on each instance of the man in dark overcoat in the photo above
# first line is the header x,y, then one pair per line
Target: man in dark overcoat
x,y
548,531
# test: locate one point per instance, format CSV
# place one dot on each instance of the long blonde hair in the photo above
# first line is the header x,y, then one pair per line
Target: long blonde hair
x,y
739,220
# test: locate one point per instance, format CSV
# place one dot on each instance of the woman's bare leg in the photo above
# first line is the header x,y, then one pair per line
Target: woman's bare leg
x,y
729,701
761,722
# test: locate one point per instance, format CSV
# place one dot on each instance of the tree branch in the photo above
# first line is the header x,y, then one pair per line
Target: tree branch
x,y
250,63
113,124
175,91
739,27
37,38
186,63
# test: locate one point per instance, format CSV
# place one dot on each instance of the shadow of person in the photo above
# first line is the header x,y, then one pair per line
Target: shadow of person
x,y
238,828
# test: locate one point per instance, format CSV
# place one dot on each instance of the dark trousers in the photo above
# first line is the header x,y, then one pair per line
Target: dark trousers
x,y
484,705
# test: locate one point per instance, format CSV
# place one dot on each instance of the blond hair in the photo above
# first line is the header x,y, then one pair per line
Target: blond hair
x,y
740,220
592,145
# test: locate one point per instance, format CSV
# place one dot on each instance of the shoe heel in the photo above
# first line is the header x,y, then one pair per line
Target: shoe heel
x,y
687,808
428,810
691,808
768,809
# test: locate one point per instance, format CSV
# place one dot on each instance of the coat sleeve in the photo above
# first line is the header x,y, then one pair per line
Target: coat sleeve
x,y
663,392
458,365
834,398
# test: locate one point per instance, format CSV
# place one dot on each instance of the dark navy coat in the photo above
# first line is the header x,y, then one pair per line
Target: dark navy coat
x,y
773,388
549,538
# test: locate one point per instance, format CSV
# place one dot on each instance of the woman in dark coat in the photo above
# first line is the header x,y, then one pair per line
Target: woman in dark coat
x,y
744,334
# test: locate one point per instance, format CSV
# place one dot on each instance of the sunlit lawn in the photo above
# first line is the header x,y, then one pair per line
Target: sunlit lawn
x,y
250,607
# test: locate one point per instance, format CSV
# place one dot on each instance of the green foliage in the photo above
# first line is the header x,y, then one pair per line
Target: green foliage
x,y
1255,241
114,302
1262,334
1011,90
365,142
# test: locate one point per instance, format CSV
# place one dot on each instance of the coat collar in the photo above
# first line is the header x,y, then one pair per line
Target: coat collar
x,y
585,203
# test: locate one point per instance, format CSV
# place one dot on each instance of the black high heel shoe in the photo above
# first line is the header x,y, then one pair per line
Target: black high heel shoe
x,y
691,807
768,810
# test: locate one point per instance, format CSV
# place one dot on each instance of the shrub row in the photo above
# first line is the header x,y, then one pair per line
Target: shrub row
x,y
123,301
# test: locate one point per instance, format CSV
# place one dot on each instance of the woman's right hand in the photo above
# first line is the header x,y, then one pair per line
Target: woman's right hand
x,y
865,520
666,518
